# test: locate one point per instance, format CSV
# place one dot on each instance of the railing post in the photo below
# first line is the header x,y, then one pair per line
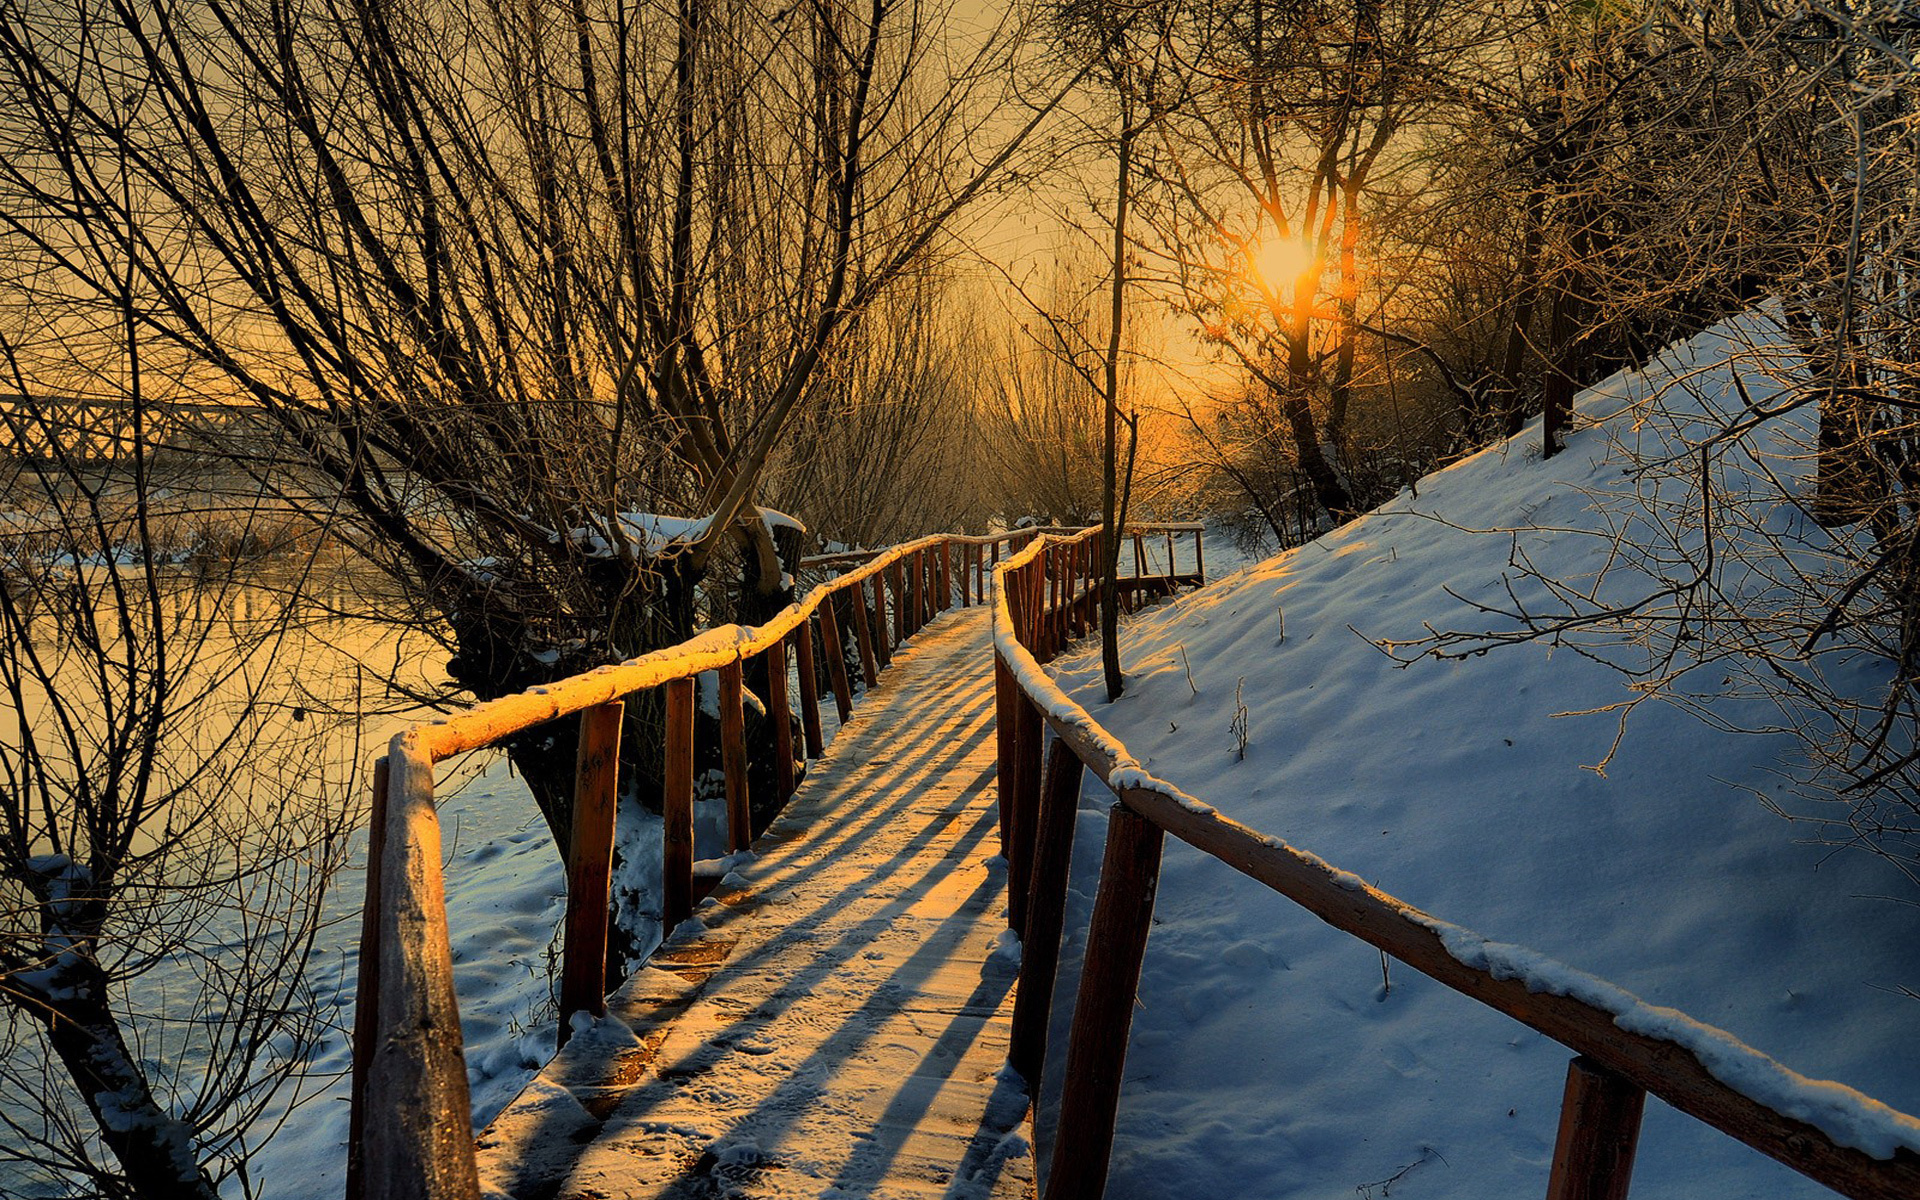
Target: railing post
x,y
946,575
881,646
366,995
1199,558
1076,593
917,588
1003,693
1103,1011
596,777
966,570
899,589
831,646
733,756
1599,1131
869,664
1046,913
676,808
809,689
780,712
1029,734
1055,586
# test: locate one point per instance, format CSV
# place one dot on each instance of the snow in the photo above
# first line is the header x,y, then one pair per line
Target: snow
x,y
653,532
1273,1055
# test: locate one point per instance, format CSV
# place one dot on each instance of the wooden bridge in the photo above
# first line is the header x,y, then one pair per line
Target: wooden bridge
x,y
843,1017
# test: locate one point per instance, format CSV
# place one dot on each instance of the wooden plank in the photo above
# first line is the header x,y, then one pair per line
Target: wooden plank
x,y
1046,913
869,663
1103,1011
1599,1131
809,690
733,756
780,712
830,645
596,776
366,996
676,806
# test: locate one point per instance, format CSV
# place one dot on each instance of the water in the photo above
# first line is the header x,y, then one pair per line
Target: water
x,y
318,707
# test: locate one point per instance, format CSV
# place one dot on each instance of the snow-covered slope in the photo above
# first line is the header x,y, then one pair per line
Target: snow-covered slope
x,y
1270,1055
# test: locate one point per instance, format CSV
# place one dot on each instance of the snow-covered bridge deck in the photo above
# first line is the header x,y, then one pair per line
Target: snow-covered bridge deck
x,y
835,1020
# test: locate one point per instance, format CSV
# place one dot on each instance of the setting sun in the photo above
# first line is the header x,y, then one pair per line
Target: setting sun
x,y
1278,261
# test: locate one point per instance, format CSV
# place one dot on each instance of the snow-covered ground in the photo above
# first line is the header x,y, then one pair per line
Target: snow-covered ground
x,y
1272,1055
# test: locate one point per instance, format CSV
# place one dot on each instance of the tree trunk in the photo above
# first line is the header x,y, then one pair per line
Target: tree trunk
x,y
1110,450
156,1150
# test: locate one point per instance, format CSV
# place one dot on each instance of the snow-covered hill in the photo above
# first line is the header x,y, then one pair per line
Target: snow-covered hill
x,y
1270,1055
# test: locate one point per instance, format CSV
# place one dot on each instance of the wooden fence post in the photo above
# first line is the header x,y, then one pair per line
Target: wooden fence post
x,y
1046,913
869,664
899,601
809,690
366,994
780,712
945,563
596,778
676,808
1029,734
1199,559
1599,1131
917,592
1003,694
1103,1011
733,756
831,646
967,559
880,644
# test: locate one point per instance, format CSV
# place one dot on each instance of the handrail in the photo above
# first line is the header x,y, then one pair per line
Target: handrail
x,y
1837,1136
411,1119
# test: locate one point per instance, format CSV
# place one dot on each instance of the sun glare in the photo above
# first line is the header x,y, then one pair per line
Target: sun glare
x,y
1279,261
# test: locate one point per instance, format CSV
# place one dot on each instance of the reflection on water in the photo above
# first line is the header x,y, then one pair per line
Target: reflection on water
x,y
321,684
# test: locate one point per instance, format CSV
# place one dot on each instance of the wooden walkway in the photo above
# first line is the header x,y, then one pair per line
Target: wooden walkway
x,y
833,1022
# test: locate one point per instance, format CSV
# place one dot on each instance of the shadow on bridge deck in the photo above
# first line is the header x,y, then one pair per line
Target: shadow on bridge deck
x,y
834,1020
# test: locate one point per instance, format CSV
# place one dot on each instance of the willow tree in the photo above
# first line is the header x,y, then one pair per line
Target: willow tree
x,y
505,279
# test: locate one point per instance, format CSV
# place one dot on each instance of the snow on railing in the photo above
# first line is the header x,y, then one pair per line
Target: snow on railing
x,y
1625,1047
411,1124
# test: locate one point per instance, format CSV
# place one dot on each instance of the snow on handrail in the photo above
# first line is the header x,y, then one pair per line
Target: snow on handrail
x,y
1834,1134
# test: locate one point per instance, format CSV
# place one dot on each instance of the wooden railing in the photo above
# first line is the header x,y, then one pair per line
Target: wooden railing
x,y
1624,1049
411,1135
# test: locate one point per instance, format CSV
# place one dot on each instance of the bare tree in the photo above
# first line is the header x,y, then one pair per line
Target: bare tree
x,y
166,834
1782,141
506,279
